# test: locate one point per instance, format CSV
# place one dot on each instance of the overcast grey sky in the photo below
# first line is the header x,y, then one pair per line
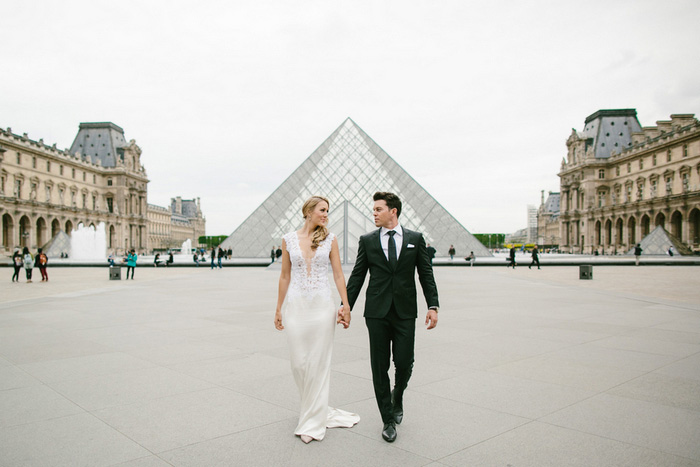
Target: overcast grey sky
x,y
226,98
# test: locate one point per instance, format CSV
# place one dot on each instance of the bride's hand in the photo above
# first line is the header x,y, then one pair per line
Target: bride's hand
x,y
344,316
339,317
278,320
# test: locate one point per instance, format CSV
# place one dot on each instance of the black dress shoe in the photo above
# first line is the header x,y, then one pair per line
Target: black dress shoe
x,y
397,408
389,432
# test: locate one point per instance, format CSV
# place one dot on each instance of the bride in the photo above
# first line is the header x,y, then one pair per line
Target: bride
x,y
306,311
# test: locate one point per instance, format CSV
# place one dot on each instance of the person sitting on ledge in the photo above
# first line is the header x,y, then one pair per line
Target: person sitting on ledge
x,y
156,260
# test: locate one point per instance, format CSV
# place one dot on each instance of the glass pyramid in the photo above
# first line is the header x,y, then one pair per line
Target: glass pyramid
x,y
659,241
348,168
60,243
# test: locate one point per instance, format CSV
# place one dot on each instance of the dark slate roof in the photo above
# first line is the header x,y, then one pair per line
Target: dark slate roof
x,y
100,141
189,208
552,203
611,130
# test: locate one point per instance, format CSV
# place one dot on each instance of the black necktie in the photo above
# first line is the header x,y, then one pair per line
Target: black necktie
x,y
392,249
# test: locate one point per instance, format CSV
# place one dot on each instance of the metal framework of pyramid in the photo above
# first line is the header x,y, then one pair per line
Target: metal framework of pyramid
x,y
658,242
348,168
59,244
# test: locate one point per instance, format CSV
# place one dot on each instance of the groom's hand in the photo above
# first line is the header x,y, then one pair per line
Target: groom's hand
x,y
431,319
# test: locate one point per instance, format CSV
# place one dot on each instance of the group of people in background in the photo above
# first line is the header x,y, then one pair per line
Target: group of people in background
x,y
218,255
157,261
28,261
129,259
275,253
535,254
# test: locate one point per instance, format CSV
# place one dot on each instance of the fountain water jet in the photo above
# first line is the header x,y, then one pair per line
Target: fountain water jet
x,y
88,243
186,248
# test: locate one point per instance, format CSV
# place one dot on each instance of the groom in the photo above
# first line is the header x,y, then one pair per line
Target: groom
x,y
392,254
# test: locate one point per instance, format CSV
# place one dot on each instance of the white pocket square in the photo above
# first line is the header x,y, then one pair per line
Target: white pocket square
x,y
410,245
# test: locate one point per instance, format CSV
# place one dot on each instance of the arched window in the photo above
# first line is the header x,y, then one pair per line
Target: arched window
x,y
677,225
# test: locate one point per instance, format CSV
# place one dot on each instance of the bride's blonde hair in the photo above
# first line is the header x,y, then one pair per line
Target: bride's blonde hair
x,y
320,232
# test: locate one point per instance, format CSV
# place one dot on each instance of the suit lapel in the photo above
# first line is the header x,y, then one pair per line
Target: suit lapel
x,y
377,245
404,244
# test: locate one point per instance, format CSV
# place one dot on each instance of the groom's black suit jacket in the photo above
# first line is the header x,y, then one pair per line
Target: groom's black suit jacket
x,y
397,286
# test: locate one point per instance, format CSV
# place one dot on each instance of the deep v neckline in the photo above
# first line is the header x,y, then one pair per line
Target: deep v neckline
x,y
307,261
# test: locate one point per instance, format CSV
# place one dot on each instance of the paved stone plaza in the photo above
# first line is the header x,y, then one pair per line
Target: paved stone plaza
x,y
183,367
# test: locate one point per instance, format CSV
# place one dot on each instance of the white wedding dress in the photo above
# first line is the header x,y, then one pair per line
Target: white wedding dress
x,y
309,317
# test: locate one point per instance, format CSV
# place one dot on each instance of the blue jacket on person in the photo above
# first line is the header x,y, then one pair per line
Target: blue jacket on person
x,y
131,260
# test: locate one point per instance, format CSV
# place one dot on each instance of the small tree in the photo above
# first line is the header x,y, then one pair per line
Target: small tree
x,y
211,241
491,240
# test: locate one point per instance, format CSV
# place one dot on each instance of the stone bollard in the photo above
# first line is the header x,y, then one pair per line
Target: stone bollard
x,y
115,273
585,271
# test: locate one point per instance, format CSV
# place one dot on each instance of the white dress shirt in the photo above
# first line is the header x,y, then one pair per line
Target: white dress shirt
x,y
398,238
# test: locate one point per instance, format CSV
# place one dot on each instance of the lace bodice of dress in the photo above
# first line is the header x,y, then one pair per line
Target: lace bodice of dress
x,y
307,279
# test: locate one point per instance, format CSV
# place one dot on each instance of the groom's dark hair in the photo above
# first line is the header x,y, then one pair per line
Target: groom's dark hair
x,y
392,201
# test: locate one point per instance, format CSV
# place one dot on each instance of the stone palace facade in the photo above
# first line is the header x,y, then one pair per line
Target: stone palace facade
x,y
620,180
44,190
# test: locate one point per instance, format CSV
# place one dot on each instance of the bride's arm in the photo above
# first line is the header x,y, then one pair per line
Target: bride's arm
x,y
285,277
339,279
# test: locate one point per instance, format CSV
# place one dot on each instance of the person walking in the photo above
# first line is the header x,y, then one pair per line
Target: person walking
x,y
17,263
28,261
305,311
213,257
221,256
452,252
392,255
637,253
512,257
535,258
431,253
131,263
278,252
272,255
41,262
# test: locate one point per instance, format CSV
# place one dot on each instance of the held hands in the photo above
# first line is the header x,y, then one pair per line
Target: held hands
x,y
344,316
278,320
431,319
